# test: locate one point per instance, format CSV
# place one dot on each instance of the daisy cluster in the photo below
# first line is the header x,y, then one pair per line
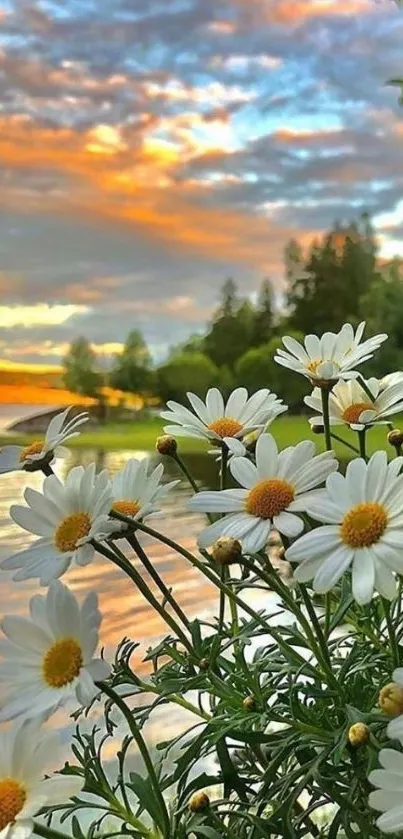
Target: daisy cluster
x,y
49,657
333,525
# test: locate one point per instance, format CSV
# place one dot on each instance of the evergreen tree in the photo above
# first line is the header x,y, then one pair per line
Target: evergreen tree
x,y
264,316
326,287
230,332
132,369
80,374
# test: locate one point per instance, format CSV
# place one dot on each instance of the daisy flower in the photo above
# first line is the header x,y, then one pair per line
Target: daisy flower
x,y
48,658
391,379
26,752
329,358
349,403
273,491
395,727
32,457
66,516
219,422
388,798
135,493
363,530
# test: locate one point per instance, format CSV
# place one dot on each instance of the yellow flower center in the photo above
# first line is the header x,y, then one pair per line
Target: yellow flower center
x,y
12,800
71,530
353,412
313,366
363,525
126,507
62,662
269,498
34,448
226,427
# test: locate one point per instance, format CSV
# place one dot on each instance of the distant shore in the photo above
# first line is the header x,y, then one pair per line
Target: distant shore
x,y
140,435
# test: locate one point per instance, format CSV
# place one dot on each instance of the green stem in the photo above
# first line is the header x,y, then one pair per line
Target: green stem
x,y
49,832
182,466
224,467
366,388
322,653
345,443
193,560
319,634
137,736
135,544
223,569
178,700
328,613
47,470
119,559
205,570
394,646
325,393
362,443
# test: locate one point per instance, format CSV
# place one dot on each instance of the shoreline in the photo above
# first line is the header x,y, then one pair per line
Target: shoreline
x,y
141,435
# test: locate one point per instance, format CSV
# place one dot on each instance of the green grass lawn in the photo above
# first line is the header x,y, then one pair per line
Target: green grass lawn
x,y
141,435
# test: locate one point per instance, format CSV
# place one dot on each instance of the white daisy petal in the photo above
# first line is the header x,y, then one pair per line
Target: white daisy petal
x,y
316,544
236,402
333,356
15,457
257,537
215,403
363,578
68,516
307,569
29,750
226,501
58,662
266,456
288,524
332,569
395,731
215,421
244,471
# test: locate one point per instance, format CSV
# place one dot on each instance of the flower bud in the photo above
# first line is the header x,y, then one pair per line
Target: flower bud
x,y
324,384
166,445
227,551
204,664
249,703
199,802
358,734
391,699
395,438
251,439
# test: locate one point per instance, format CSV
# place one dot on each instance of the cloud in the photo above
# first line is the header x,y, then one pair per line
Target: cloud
x,y
147,151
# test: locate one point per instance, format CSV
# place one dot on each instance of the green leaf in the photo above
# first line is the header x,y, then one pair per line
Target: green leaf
x,y
143,789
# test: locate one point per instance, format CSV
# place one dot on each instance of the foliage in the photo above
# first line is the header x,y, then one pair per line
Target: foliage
x,y
231,330
341,265
80,374
257,369
132,367
381,307
187,371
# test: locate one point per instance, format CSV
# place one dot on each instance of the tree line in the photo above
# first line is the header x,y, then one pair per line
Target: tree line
x,y
339,277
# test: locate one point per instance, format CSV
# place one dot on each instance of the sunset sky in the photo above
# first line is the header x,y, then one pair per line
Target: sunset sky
x,y
151,148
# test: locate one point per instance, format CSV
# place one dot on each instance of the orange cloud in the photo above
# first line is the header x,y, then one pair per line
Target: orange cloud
x,y
295,11
115,189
